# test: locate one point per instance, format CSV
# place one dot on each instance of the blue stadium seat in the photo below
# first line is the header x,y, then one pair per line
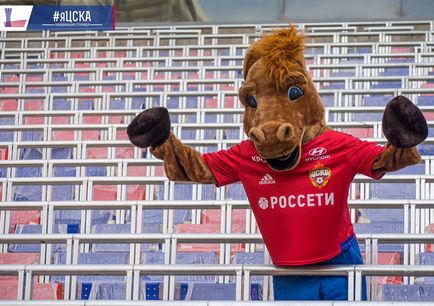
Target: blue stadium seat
x,y
235,192
29,192
86,105
28,172
328,100
181,216
208,192
121,247
111,228
138,103
151,291
334,85
426,149
191,102
59,77
384,214
376,227
58,89
425,100
67,228
183,191
173,102
10,120
379,227
112,258
152,258
401,60
64,171
63,192
395,71
74,216
151,216
256,258
111,291
390,84
413,293
26,248
393,191
415,169
312,50
96,171
118,103
344,73
427,259
61,104
376,100
67,217
213,292
6,136
196,258
359,50
367,116
31,136
31,153
151,227
188,134
85,289
12,66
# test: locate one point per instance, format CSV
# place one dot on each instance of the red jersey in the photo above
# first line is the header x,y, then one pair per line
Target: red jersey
x,y
303,213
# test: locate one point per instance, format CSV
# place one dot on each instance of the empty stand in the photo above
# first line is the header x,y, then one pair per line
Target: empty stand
x,y
85,215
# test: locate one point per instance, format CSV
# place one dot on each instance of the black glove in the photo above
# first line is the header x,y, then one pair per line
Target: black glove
x,y
150,128
403,123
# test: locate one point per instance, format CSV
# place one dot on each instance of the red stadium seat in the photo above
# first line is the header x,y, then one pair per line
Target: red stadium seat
x,y
25,217
202,247
9,105
9,90
48,291
104,193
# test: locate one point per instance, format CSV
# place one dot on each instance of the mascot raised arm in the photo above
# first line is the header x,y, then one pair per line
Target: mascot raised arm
x,y
295,170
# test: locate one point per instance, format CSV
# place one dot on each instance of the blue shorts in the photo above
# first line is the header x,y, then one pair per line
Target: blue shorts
x,y
320,287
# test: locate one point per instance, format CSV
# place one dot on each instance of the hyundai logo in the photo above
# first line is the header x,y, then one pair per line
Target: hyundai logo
x,y
318,151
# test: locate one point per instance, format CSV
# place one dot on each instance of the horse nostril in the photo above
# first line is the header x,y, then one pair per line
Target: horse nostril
x,y
285,132
256,135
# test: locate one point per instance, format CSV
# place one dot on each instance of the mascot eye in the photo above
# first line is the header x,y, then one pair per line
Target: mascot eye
x,y
251,100
294,93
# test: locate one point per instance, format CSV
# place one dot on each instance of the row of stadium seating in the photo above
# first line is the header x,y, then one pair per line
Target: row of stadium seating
x,y
75,193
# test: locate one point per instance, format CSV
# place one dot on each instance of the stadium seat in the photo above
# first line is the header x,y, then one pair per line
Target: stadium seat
x,y
195,258
209,291
26,248
72,95
408,293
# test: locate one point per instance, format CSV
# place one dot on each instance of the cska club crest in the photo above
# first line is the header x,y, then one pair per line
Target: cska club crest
x,y
320,175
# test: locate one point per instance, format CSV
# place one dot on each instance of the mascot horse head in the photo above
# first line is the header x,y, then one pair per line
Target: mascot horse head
x,y
282,107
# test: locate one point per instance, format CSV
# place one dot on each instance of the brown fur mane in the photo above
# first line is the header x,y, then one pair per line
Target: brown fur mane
x,y
282,52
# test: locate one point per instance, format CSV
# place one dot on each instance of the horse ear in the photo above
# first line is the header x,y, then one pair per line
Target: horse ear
x,y
249,59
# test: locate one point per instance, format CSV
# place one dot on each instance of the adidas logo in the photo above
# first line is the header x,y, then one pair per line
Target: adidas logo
x,y
267,179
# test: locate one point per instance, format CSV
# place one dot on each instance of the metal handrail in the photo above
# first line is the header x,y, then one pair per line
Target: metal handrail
x,y
243,273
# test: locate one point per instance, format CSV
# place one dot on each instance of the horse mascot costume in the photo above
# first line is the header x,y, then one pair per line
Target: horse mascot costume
x,y
295,170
